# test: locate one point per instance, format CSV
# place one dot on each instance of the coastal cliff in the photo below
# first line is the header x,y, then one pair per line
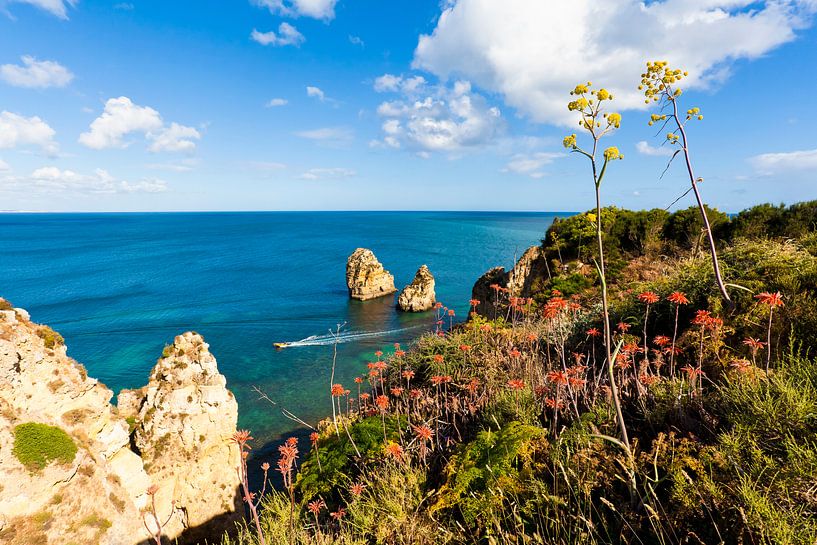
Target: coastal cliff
x,y
519,282
68,472
365,276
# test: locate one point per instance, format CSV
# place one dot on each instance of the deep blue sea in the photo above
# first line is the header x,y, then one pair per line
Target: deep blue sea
x,y
119,287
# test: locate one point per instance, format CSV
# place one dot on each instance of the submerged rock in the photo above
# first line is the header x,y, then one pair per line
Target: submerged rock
x,y
365,276
419,295
85,480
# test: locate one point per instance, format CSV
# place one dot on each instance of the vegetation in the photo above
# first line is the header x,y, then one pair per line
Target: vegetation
x,y
37,445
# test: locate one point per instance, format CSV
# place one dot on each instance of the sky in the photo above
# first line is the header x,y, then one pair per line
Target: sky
x,y
399,105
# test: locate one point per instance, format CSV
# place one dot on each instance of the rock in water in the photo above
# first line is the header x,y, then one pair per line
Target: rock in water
x,y
419,295
365,276
83,478
184,426
519,282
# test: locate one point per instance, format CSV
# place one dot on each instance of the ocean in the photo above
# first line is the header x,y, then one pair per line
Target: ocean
x,y
118,287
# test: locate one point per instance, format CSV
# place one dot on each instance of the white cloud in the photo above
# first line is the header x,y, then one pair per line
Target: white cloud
x,y
356,40
391,83
16,130
531,165
772,163
315,92
533,53
275,102
58,8
287,35
265,166
645,148
331,136
185,165
54,180
4,166
122,117
317,9
438,119
174,138
124,6
327,173
36,74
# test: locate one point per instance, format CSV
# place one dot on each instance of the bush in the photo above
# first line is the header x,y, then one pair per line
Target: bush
x,y
37,445
50,337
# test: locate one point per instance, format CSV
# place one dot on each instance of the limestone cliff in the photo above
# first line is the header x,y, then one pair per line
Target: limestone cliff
x,y
519,282
365,276
184,425
419,295
67,470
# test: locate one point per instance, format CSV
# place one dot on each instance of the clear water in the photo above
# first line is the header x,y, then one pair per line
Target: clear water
x,y
119,287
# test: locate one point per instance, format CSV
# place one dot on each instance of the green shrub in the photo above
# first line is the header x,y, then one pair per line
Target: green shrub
x,y
50,337
37,445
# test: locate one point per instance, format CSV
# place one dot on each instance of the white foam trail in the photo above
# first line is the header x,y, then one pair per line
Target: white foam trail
x,y
346,337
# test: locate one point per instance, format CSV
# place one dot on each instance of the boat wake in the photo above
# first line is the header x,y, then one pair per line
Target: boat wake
x,y
344,337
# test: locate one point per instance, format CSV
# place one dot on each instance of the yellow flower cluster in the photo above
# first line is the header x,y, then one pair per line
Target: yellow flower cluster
x,y
613,119
658,79
569,141
672,137
612,153
694,112
603,94
577,105
581,89
656,117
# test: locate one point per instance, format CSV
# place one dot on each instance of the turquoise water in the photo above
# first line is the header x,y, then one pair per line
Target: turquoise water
x,y
119,287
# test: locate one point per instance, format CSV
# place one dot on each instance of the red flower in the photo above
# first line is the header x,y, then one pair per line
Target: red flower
x,y
241,437
465,347
557,377
313,437
358,380
339,514
474,302
754,344
423,432
742,366
623,327
408,374
593,332
438,358
772,299
337,390
397,392
648,297
378,353
395,451
357,489
554,403
661,340
382,402
678,298
316,506
516,384
515,353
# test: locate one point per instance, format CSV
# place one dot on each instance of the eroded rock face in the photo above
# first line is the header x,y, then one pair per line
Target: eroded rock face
x,y
183,420
418,296
519,282
94,498
184,425
365,276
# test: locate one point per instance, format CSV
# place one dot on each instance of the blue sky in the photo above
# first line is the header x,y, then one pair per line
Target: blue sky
x,y
354,104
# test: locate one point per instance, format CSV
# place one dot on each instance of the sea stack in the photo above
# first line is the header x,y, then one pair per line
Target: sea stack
x,y
418,296
365,276
519,282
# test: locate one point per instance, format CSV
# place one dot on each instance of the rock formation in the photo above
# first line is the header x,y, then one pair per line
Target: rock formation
x,y
520,282
419,295
365,276
85,484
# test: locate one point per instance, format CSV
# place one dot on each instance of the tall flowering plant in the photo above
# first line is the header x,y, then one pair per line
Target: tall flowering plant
x,y
660,85
589,105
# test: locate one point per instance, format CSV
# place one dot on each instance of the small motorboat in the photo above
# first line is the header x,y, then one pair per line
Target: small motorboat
x,y
280,345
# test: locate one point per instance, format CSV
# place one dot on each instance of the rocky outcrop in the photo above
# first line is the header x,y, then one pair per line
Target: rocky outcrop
x,y
89,486
418,296
184,425
518,282
365,276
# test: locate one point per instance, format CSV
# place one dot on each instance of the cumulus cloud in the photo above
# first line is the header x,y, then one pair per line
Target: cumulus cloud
x,y
287,35
317,9
356,40
435,118
531,165
533,53
174,138
58,8
36,74
121,117
327,173
275,102
4,166
54,180
645,148
773,163
17,130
